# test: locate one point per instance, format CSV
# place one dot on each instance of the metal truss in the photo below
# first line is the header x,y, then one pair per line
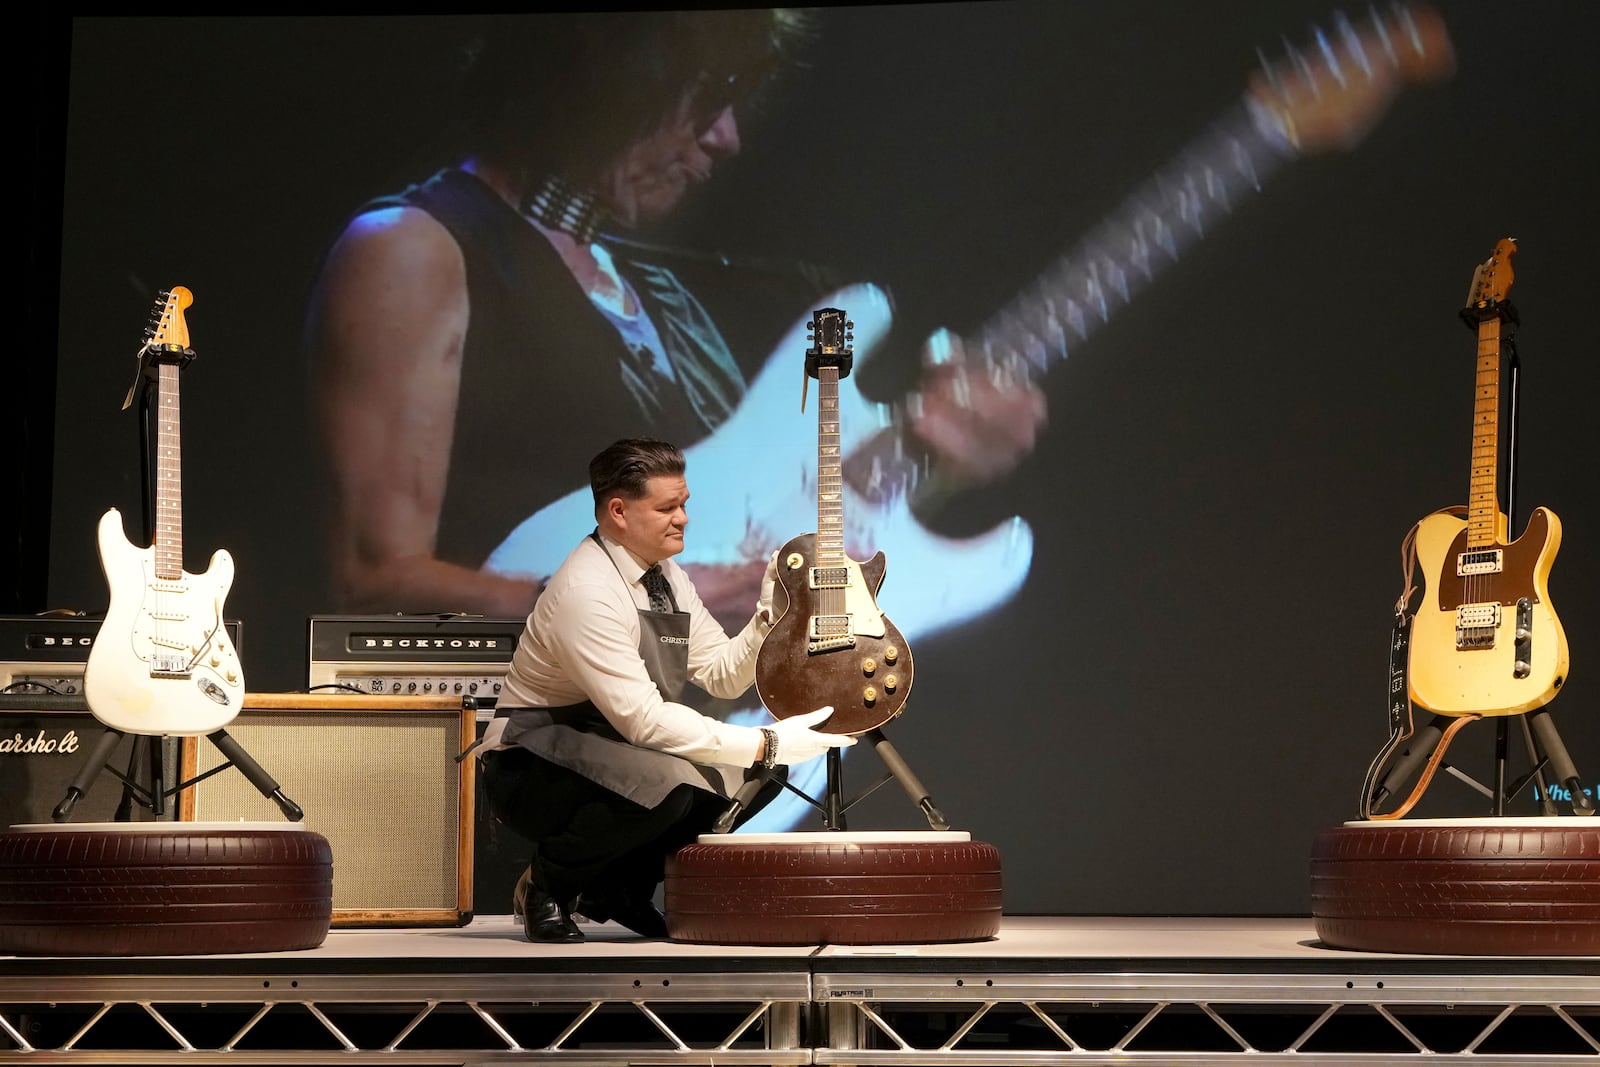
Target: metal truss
x,y
1199,1020
583,1019
806,1016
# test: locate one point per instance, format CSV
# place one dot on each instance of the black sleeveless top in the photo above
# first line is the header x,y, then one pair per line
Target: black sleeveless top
x,y
546,379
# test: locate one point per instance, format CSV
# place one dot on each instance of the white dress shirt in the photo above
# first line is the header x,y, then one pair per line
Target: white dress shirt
x,y
581,642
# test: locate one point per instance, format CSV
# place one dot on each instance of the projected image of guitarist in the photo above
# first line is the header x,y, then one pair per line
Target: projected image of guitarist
x,y
476,336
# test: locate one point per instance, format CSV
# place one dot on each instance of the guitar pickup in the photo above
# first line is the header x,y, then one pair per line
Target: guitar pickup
x,y
1476,625
830,577
829,632
1478,561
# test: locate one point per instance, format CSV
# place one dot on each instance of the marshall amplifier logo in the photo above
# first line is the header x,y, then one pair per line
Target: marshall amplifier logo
x,y
44,743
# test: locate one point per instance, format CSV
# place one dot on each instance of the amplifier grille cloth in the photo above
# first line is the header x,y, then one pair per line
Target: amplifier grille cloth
x,y
381,788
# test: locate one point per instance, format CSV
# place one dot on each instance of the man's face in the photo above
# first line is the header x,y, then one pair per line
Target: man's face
x,y
652,176
652,526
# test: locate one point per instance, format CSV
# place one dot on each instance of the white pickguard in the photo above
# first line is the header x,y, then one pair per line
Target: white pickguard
x,y
162,662
756,487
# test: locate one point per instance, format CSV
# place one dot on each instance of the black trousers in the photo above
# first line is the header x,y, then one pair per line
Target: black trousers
x,y
588,839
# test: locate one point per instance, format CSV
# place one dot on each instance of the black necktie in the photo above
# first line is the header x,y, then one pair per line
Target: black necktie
x,y
655,583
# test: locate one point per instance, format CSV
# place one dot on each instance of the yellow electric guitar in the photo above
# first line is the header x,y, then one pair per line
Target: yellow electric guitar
x,y
162,662
1486,640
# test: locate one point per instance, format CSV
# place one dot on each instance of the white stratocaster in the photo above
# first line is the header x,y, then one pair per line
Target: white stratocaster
x,y
1324,99
162,662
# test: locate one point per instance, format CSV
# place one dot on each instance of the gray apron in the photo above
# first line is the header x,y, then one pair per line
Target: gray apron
x,y
579,737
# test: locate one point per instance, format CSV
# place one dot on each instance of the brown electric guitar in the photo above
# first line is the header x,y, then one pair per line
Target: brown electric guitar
x,y
832,645
1485,640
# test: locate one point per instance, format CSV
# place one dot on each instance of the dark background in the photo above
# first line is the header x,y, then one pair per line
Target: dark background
x,y
1192,683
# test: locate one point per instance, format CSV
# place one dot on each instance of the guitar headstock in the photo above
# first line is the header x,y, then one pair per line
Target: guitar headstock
x,y
167,329
1491,280
831,334
1488,296
166,339
1329,93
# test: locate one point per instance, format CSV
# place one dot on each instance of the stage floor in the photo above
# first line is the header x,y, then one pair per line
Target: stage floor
x,y
1078,990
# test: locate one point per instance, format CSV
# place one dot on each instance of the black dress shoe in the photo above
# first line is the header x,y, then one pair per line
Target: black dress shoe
x,y
638,914
545,919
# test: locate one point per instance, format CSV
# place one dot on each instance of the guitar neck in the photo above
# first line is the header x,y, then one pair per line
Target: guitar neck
x,y
167,549
1099,276
830,478
1484,518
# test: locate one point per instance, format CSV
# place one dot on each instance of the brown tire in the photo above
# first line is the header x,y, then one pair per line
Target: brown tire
x,y
1515,888
95,890
818,893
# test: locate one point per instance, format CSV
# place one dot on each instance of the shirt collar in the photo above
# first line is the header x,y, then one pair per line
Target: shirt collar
x,y
630,566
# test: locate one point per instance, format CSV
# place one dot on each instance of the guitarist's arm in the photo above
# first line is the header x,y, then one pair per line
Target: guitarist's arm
x,y
385,335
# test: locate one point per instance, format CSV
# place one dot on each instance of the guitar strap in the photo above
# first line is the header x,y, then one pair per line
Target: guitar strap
x,y
1402,722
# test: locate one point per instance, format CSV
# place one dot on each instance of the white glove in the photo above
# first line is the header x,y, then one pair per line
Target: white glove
x,y
769,589
798,742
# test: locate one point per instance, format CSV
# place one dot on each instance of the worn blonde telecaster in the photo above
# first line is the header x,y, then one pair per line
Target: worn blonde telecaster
x,y
162,662
1486,640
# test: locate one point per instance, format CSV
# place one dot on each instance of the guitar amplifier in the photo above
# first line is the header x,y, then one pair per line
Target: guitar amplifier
x,y
411,655
46,654
418,656
45,743
378,777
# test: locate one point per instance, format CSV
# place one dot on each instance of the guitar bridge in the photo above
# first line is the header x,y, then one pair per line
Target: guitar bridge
x,y
1476,625
169,665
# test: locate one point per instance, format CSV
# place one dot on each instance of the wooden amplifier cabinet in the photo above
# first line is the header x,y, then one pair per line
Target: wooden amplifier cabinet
x,y
378,777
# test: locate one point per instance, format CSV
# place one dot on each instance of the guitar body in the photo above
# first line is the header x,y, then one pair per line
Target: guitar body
x,y
1483,679
865,676
162,662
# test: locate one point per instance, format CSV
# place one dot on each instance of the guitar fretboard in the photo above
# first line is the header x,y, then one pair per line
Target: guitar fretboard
x,y
167,549
830,479
1483,506
1148,232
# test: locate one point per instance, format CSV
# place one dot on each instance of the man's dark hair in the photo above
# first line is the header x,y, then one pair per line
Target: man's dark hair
x,y
563,93
623,468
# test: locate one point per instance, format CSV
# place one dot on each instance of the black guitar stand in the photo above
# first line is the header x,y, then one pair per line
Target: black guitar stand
x,y
1542,742
832,804
149,750
154,796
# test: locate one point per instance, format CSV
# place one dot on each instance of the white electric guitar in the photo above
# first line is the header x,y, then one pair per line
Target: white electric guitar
x,y
1323,99
162,662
